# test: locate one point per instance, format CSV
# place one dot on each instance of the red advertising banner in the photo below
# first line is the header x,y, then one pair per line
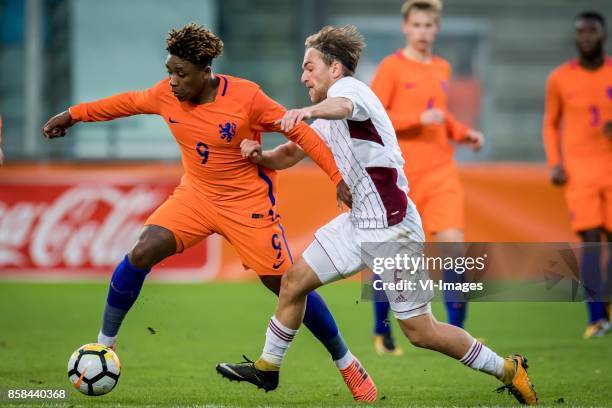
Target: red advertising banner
x,y
80,224
77,221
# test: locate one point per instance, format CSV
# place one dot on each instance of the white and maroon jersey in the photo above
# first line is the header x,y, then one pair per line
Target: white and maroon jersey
x,y
368,156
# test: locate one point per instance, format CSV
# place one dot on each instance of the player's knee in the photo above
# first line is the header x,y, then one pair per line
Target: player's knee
x,y
140,256
419,332
153,245
291,284
419,340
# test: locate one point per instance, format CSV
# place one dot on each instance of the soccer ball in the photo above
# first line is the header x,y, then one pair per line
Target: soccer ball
x,y
94,369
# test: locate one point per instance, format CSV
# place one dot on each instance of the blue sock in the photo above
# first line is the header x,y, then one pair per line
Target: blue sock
x,y
321,323
456,312
125,285
455,302
592,283
381,311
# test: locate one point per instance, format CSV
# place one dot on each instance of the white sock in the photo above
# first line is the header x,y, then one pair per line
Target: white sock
x,y
481,358
106,340
345,361
278,340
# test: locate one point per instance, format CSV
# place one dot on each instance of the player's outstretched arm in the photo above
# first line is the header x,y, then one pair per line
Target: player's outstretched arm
x,y
264,117
280,158
113,107
331,109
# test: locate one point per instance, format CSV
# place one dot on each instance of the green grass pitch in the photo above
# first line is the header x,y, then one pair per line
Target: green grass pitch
x,y
199,325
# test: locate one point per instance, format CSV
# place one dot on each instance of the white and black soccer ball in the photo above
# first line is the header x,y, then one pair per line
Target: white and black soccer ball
x,y
94,369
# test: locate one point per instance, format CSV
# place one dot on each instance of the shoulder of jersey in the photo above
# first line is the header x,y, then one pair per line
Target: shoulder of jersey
x,y
232,83
397,56
393,58
163,85
162,90
569,65
436,60
233,87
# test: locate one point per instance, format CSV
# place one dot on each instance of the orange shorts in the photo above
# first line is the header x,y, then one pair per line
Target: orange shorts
x,y
260,242
589,204
439,199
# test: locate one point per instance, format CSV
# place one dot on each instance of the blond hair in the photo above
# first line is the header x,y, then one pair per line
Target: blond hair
x,y
343,44
424,5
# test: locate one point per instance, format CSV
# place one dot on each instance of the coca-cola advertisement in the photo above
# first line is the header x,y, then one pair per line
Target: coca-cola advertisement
x,y
80,227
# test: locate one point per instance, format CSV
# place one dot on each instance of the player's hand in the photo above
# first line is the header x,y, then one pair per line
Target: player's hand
x,y
293,117
343,195
432,116
474,139
57,125
558,176
252,150
607,130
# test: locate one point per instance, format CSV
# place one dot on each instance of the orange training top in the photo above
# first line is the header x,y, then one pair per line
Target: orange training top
x,y
408,88
209,137
578,104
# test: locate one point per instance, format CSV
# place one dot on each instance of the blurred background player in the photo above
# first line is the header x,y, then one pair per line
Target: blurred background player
x,y
220,192
578,141
412,84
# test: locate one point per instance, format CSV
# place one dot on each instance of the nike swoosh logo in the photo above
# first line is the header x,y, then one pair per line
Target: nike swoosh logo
x,y
409,85
77,384
231,371
172,121
276,266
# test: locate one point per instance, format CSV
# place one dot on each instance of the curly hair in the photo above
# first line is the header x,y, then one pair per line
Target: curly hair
x,y
424,5
338,43
194,43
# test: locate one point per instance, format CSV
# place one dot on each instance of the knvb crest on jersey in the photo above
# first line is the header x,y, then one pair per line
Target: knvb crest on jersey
x,y
227,131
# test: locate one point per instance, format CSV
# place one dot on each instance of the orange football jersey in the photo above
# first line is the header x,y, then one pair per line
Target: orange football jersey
x,y
209,137
578,104
408,88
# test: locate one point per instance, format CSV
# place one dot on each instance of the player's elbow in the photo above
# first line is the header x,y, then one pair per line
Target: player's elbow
x,y
292,155
346,106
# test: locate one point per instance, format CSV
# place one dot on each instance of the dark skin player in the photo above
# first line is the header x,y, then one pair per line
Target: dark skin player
x,y
590,36
197,85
